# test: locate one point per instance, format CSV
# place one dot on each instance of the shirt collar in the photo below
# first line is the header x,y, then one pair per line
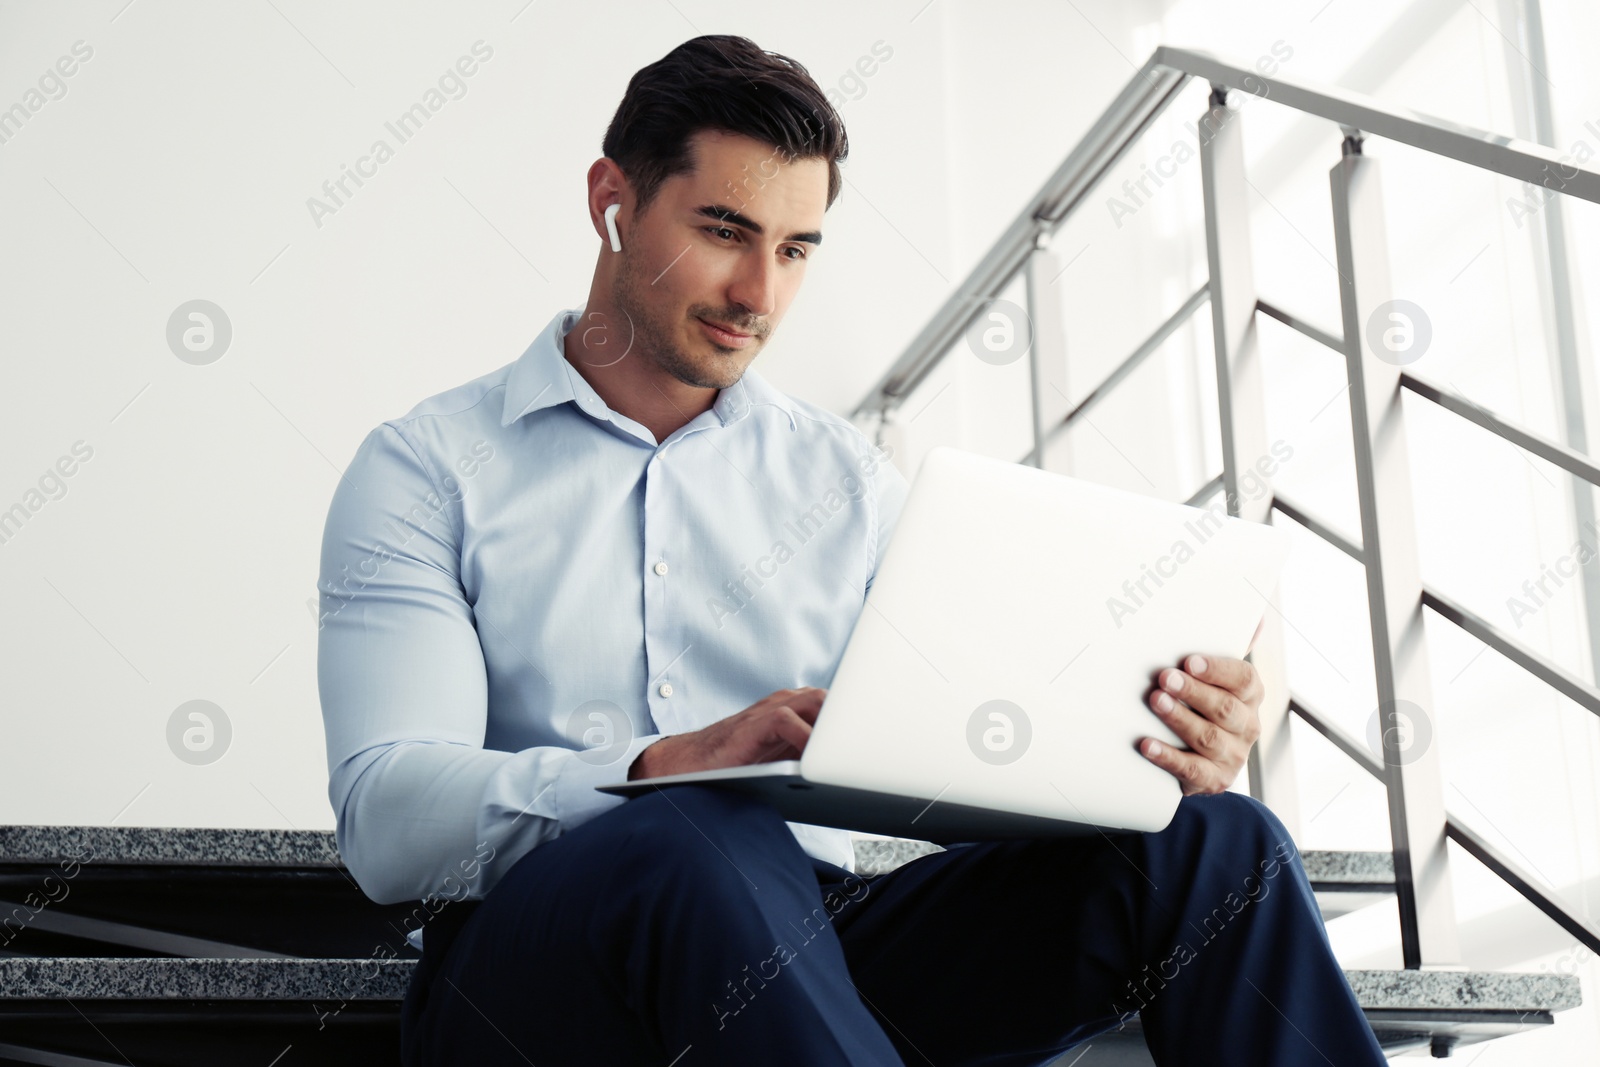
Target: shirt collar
x,y
542,377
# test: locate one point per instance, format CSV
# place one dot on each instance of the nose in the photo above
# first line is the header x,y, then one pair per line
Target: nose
x,y
755,286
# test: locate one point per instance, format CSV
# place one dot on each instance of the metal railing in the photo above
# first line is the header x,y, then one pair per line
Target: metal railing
x,y
1419,824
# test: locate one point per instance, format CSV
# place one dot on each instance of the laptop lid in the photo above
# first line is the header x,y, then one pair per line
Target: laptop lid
x,y
1016,624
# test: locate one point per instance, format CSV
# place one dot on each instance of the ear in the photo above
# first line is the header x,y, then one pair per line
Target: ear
x,y
608,196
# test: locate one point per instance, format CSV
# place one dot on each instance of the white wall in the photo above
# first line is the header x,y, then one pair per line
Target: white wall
x,y
177,562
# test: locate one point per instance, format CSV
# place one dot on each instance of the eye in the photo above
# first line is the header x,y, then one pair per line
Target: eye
x,y
720,229
796,248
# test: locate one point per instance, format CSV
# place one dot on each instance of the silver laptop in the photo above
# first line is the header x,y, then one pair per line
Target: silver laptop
x,y
994,685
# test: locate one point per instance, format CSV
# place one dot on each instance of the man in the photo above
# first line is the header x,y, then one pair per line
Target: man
x,y
627,555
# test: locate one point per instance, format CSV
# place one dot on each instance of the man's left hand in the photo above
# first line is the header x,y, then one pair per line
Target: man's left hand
x,y
1214,705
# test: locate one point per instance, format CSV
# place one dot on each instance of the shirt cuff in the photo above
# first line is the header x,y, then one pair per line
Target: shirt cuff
x,y
577,799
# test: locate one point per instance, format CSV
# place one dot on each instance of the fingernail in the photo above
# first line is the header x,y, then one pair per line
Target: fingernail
x,y
1197,664
1163,702
1174,681
1155,748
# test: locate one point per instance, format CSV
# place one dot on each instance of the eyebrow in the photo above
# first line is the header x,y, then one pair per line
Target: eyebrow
x,y
727,214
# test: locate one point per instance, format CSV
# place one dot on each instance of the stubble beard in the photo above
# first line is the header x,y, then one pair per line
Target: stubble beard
x,y
653,339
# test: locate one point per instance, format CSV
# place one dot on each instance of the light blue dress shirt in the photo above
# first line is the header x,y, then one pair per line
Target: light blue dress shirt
x,y
521,590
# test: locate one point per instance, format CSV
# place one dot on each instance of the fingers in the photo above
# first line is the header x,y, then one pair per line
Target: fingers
x,y
1211,707
1230,708
1196,773
806,702
806,696
1198,732
1224,672
792,728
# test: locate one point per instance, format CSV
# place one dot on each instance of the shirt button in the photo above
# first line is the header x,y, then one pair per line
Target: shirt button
x,y
665,689
661,567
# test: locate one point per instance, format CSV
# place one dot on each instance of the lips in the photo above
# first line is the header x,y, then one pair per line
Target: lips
x,y
726,329
725,339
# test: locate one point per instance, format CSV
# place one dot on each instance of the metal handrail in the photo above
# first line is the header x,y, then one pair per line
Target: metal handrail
x,y
1318,527
1341,740
1567,459
1206,492
1475,844
1541,667
1420,825
1322,337
1556,677
1514,876
1139,104
1129,365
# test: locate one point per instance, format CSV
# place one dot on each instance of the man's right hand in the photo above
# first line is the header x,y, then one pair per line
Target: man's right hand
x,y
776,727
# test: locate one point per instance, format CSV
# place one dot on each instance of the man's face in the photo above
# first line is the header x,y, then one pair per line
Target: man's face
x,y
726,244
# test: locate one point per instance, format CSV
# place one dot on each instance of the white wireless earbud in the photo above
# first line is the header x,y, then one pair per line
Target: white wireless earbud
x,y
611,226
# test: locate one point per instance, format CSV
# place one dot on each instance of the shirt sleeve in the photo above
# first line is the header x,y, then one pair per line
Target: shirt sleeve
x,y
422,808
889,491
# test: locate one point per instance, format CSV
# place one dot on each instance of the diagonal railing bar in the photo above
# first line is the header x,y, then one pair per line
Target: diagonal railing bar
x,y
1142,100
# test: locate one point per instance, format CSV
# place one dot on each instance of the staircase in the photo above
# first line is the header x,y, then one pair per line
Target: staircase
x,y
180,947
1432,1003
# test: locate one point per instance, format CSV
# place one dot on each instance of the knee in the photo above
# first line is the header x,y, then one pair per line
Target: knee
x,y
1237,827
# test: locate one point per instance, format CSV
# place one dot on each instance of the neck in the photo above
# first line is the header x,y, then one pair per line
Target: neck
x,y
612,358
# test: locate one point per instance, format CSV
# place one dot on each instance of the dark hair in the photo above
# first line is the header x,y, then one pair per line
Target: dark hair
x,y
727,83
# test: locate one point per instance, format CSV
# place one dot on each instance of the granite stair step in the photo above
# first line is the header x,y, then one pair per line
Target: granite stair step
x,y
135,891
180,946
319,1009
260,893
1342,881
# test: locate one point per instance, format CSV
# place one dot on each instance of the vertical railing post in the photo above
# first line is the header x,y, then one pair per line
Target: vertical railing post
x,y
1407,724
1553,264
1047,356
1242,410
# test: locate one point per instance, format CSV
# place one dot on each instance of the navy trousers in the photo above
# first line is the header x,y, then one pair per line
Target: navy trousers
x,y
687,927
